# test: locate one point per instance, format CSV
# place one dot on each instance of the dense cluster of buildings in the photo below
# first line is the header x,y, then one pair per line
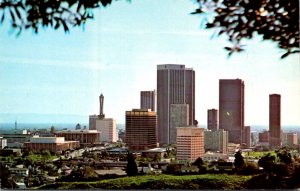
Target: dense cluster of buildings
x,y
166,117
176,123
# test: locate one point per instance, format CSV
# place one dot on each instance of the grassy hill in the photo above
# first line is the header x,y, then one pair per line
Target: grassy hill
x,y
206,181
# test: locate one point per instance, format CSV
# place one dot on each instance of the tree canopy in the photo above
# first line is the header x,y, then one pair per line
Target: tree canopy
x,y
32,14
274,20
238,160
131,168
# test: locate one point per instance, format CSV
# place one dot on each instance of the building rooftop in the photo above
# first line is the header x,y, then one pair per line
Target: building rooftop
x,y
78,131
156,150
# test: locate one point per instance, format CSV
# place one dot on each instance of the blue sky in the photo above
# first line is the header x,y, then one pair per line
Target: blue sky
x,y
117,54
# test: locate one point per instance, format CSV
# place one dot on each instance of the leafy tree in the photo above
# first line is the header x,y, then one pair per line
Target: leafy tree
x,y
284,156
157,157
199,163
274,20
26,14
250,168
294,180
131,168
46,155
85,153
267,162
238,160
6,178
173,168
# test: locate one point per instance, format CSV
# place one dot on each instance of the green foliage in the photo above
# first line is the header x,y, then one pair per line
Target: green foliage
x,y
258,154
274,20
209,181
173,168
284,156
267,162
131,168
6,178
85,173
200,164
157,157
46,155
250,168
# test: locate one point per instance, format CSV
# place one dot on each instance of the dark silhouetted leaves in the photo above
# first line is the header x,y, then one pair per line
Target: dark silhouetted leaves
x,y
275,20
33,14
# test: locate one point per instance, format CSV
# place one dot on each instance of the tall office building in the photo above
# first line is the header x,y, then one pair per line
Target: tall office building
x,y
175,85
247,136
179,117
190,143
107,126
212,119
148,100
216,141
190,93
274,121
231,106
141,129
292,139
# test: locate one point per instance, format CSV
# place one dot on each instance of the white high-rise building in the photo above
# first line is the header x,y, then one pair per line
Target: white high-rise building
x,y
107,126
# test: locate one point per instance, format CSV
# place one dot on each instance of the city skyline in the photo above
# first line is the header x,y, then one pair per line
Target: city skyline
x,y
118,54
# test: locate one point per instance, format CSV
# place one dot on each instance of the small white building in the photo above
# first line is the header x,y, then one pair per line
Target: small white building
x,y
210,156
3,142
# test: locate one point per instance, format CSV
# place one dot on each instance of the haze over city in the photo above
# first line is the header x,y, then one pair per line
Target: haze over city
x,y
117,54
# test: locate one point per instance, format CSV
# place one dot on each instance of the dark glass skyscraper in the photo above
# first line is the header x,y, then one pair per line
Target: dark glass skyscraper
x,y
231,108
175,85
141,129
274,121
212,119
148,100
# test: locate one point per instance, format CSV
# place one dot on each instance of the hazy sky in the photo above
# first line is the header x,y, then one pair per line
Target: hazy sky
x,y
117,54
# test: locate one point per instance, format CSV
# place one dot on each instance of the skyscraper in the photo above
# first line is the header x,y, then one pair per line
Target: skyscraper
x,y
175,85
216,141
141,129
247,136
212,119
148,100
274,121
179,117
190,93
231,106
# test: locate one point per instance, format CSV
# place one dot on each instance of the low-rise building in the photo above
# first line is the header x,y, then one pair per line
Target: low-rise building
x,y
210,156
233,148
3,142
16,140
151,153
53,144
85,137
